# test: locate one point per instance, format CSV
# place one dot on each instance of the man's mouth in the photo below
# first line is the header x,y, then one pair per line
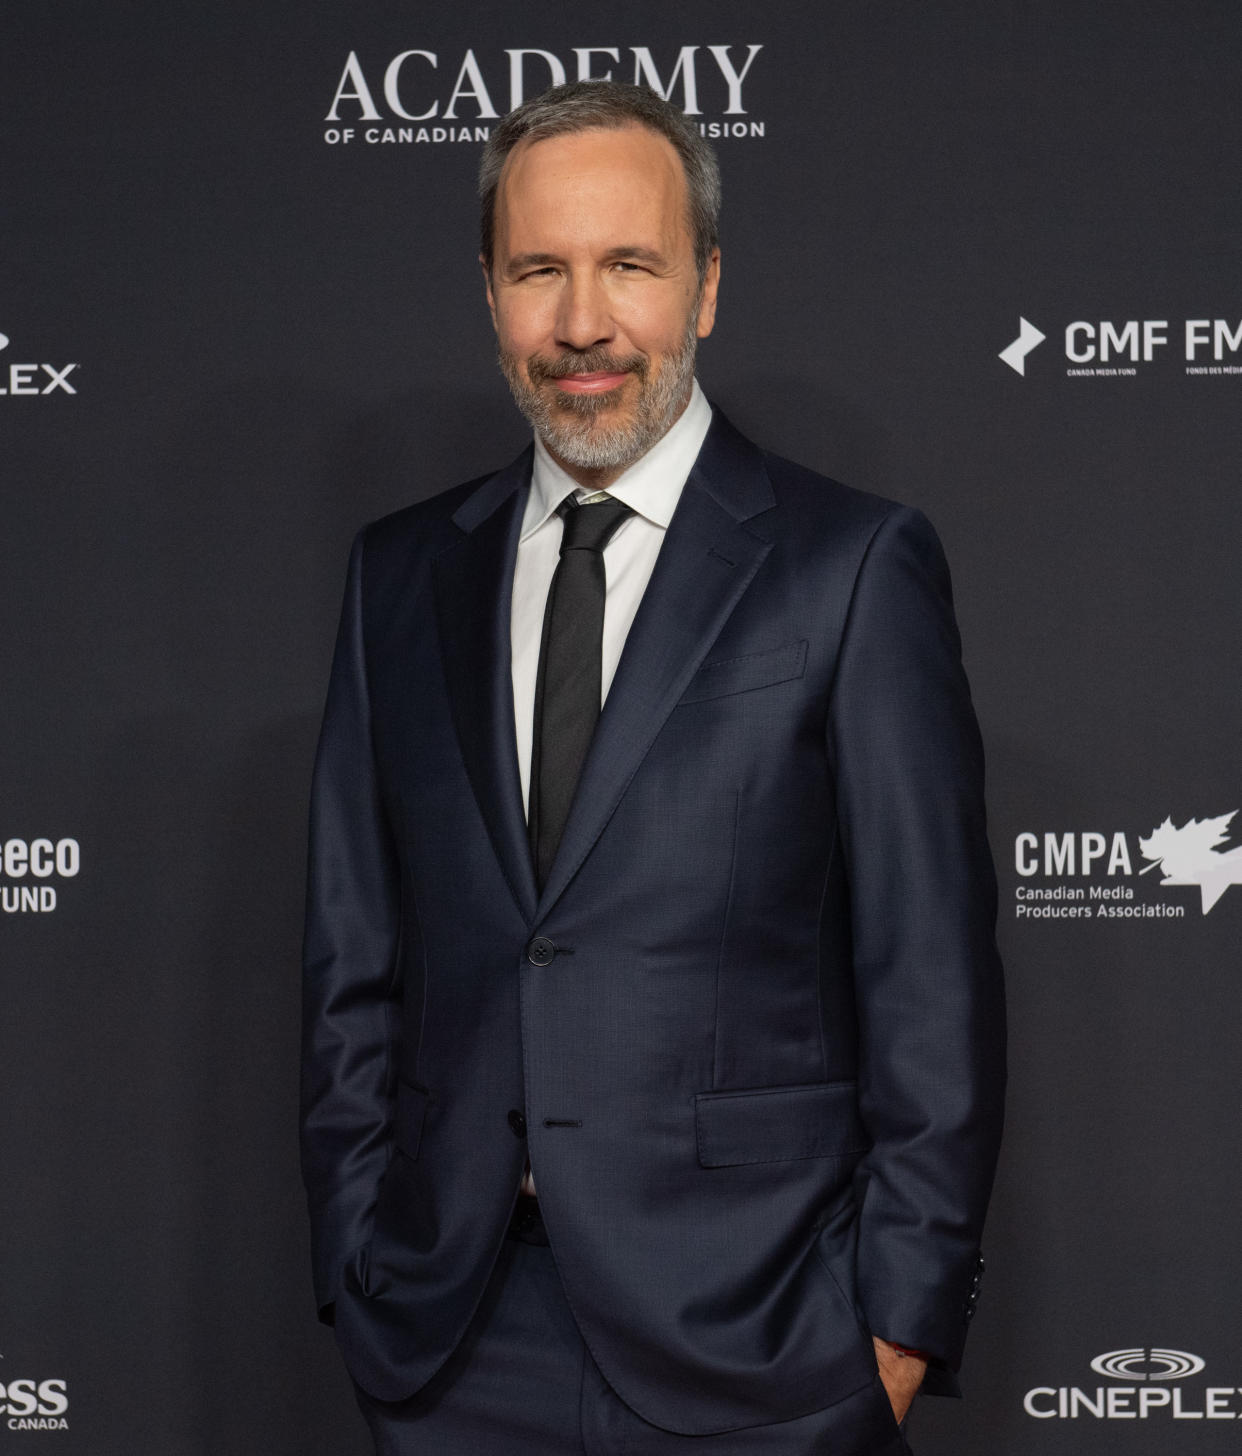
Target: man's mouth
x,y
598,383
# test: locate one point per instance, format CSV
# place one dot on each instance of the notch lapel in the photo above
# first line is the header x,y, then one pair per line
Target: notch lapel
x,y
708,558
473,589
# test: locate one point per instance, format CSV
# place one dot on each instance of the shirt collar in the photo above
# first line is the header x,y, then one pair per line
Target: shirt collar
x,y
651,486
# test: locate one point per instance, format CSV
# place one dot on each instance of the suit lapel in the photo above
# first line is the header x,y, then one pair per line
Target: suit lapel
x,y
473,586
707,560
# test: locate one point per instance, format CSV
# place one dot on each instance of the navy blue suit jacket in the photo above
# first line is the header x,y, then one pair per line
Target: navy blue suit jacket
x,y
753,1023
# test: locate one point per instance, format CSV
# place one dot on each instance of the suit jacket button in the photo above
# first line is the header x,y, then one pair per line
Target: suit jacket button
x,y
541,951
517,1122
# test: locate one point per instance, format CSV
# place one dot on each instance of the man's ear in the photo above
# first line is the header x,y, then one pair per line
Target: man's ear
x,y
487,285
707,301
488,289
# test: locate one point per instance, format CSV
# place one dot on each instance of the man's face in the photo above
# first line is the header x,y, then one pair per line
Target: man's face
x,y
594,293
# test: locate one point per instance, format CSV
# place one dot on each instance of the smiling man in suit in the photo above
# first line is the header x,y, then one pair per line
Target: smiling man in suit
x,y
653,1019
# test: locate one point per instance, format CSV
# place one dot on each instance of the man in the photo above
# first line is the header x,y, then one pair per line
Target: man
x,y
653,1064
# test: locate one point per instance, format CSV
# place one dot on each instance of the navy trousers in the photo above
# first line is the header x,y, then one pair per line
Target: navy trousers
x,y
523,1383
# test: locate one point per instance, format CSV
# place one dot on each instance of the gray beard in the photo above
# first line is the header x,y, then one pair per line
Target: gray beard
x,y
575,430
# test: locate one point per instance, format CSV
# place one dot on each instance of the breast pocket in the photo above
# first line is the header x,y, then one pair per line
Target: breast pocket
x,y
727,675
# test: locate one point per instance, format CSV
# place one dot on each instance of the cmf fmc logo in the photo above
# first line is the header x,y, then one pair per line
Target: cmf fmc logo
x,y
1117,349
1148,1387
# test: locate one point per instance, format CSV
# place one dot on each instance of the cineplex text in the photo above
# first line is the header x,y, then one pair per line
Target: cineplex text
x,y
1133,1402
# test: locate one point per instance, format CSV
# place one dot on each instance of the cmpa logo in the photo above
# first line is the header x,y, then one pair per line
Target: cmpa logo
x,y
25,378
1189,855
1107,349
414,87
37,860
1146,1389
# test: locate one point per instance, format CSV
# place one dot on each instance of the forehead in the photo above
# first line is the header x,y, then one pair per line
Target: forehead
x,y
583,186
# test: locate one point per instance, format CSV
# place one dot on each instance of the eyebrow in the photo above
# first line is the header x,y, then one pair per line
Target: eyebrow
x,y
644,255
531,260
613,255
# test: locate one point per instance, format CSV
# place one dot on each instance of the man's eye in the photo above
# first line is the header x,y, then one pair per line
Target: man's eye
x,y
627,267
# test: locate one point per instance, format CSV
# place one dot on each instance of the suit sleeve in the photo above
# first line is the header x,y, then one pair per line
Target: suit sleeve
x,y
349,967
909,770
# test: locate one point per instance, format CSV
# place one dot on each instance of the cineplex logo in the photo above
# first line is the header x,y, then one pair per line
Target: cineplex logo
x,y
1146,1389
410,98
1119,348
34,1405
1052,866
26,866
35,378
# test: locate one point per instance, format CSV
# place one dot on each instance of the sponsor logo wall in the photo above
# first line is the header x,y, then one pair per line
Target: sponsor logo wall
x,y
980,260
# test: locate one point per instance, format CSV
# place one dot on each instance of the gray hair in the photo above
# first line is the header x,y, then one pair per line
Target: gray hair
x,y
606,106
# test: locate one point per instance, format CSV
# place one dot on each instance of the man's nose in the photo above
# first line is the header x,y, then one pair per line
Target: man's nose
x,y
583,319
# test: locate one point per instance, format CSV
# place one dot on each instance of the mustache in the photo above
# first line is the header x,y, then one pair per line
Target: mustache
x,y
584,361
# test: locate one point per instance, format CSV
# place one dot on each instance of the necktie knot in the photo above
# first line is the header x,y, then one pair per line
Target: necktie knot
x,y
590,526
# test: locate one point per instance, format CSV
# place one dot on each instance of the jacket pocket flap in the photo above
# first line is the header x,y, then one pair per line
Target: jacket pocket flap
x,y
412,1103
772,1124
741,674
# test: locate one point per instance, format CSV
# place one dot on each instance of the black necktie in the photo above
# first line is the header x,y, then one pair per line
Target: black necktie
x,y
567,687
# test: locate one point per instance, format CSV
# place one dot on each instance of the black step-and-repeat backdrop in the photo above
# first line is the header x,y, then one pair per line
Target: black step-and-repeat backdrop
x,y
982,257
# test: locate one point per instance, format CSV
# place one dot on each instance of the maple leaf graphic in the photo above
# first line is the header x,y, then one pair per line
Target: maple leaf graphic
x,y
1189,856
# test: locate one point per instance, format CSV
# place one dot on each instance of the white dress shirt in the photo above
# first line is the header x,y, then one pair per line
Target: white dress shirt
x,y
651,487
